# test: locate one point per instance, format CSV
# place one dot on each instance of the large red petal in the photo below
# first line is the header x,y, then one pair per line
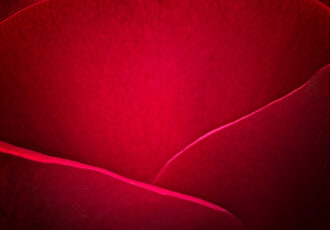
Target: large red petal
x,y
270,168
126,84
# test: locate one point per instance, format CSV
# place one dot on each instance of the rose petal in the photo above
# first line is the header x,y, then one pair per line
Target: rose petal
x,y
126,85
270,168
53,196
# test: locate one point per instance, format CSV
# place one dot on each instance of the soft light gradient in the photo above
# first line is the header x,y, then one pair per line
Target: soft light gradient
x,y
105,103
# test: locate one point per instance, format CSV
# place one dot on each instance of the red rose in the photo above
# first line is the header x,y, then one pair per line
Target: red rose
x,y
165,114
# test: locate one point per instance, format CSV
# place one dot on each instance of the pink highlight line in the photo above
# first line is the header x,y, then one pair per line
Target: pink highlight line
x,y
323,5
233,123
6,148
317,2
23,9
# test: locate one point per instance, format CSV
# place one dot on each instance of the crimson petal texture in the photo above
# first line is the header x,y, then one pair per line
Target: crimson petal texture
x,y
270,169
125,85
36,195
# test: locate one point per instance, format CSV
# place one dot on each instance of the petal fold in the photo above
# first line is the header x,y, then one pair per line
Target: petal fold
x,y
271,168
11,7
51,195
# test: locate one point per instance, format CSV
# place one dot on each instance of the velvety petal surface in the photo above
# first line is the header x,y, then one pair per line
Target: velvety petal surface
x,y
125,85
271,168
38,192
